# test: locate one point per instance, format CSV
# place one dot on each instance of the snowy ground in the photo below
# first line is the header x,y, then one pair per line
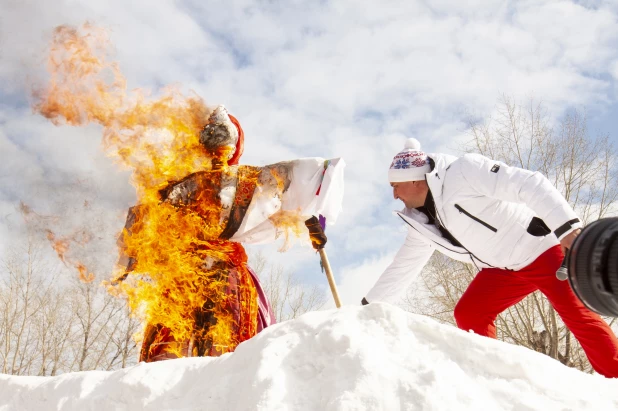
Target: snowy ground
x,y
376,357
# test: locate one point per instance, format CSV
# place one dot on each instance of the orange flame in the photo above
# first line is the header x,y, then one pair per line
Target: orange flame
x,y
84,275
157,139
171,250
181,268
61,247
289,222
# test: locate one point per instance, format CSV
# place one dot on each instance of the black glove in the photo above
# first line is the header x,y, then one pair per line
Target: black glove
x,y
316,233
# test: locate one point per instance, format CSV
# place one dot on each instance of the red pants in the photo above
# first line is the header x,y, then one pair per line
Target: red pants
x,y
494,290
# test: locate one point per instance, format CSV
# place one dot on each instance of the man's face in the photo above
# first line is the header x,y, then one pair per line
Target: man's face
x,y
412,193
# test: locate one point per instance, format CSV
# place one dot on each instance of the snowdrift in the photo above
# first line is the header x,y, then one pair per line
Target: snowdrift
x,y
375,357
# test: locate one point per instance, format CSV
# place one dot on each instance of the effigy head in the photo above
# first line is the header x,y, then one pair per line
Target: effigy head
x,y
220,135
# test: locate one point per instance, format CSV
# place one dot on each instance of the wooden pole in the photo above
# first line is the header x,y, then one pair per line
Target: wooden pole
x,y
329,275
190,344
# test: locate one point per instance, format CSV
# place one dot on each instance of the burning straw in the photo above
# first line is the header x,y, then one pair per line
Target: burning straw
x,y
158,140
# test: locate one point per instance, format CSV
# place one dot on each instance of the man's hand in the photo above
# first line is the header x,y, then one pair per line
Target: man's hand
x,y
316,233
567,241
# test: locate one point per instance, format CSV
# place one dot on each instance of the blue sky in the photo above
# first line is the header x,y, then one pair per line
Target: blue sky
x,y
343,78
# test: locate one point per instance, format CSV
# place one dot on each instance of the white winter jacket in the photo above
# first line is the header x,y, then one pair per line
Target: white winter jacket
x,y
487,206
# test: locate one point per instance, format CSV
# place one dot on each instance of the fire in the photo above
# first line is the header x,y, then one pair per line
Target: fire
x,y
287,223
172,249
84,275
157,139
60,245
177,256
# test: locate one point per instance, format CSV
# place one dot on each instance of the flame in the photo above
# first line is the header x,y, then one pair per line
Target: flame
x,y
289,223
172,249
61,247
157,139
84,275
181,272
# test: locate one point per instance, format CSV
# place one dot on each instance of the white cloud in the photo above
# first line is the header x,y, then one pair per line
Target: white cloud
x,y
614,69
311,79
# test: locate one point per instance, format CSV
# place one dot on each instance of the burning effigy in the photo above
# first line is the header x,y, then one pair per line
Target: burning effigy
x,y
182,266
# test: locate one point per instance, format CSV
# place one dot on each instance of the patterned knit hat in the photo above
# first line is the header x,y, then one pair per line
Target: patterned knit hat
x,y
410,164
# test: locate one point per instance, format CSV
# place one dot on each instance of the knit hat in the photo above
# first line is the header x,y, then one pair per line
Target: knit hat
x,y
410,164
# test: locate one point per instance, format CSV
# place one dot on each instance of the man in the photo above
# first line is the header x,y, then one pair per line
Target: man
x,y
512,224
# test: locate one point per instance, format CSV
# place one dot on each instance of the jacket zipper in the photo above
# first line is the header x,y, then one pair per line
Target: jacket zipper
x,y
435,242
472,256
478,220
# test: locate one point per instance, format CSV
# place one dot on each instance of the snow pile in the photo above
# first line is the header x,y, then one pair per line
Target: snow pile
x,y
376,357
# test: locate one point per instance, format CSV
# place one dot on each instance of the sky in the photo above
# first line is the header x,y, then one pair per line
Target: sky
x,y
305,78
373,358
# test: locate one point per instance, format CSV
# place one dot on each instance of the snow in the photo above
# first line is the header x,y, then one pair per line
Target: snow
x,y
375,357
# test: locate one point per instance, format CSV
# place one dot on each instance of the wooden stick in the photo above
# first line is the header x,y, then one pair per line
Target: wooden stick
x,y
329,275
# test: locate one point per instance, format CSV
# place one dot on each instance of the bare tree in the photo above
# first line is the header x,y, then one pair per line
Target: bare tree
x,y
23,295
54,329
583,168
443,281
51,323
98,317
122,336
288,296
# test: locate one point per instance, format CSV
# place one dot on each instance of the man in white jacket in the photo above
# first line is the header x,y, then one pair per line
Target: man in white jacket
x,y
511,223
